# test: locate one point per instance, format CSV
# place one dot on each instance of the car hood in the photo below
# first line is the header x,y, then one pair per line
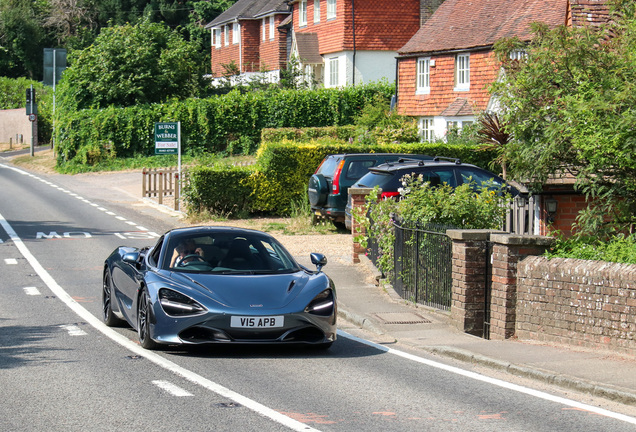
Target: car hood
x,y
259,292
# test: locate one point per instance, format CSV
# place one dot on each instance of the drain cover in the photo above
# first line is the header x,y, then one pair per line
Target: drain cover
x,y
401,318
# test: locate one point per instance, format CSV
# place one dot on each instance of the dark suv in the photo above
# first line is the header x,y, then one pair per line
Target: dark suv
x,y
388,177
328,187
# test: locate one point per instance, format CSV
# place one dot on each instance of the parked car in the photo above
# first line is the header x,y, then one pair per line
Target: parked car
x,y
328,187
221,285
388,177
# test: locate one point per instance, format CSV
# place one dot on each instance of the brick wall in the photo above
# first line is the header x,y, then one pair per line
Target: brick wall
x,y
576,302
273,52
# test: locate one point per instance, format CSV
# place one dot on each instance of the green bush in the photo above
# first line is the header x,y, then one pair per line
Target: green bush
x,y
619,248
221,124
344,133
225,189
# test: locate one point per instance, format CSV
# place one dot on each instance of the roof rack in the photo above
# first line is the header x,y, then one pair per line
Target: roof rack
x,y
457,161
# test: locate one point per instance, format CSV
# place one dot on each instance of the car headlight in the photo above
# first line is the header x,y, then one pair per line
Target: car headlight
x,y
177,304
322,304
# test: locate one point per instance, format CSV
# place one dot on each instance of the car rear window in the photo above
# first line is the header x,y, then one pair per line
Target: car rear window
x,y
358,168
373,179
328,167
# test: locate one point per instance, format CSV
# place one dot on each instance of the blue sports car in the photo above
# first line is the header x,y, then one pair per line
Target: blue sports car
x,y
205,285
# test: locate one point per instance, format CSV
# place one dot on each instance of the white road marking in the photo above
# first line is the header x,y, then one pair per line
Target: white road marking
x,y
139,227
33,291
155,358
121,218
73,330
10,261
131,223
493,381
171,388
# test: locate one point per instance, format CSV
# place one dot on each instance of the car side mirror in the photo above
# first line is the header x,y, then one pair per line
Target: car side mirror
x,y
319,260
131,258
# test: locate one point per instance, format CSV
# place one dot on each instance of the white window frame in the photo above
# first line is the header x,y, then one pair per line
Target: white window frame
x,y
316,11
264,28
518,54
272,27
216,37
427,131
236,33
226,34
333,71
423,76
331,9
302,13
462,72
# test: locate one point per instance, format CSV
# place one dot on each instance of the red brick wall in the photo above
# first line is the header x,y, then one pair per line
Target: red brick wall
x,y
250,44
577,302
483,71
380,24
273,53
224,55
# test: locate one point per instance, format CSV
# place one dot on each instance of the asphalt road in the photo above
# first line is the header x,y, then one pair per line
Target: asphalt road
x,y
61,370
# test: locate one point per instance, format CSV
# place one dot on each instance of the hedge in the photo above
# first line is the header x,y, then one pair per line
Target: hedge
x,y
214,124
283,168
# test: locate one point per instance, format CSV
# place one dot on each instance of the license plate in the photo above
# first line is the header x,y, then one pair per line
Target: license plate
x,y
256,322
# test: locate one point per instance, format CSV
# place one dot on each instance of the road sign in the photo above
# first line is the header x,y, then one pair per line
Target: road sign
x,y
167,138
32,117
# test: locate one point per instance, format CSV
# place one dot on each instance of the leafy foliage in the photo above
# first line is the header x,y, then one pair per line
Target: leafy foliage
x,y
620,249
570,110
156,65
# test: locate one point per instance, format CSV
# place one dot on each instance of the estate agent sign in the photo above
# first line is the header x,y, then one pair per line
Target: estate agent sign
x,y
167,138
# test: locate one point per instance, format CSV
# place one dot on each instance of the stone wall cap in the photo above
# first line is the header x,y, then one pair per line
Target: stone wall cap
x,y
360,190
470,234
521,240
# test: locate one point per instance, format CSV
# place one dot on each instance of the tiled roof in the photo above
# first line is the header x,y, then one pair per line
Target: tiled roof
x,y
249,9
588,12
466,24
307,44
459,107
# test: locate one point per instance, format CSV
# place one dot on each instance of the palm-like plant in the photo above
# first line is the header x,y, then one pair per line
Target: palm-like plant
x,y
492,135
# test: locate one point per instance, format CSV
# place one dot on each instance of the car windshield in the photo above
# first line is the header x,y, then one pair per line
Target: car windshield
x,y
227,252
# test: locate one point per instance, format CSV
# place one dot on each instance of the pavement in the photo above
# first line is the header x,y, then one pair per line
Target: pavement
x,y
376,312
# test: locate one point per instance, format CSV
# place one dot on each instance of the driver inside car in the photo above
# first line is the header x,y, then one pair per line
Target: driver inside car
x,y
185,252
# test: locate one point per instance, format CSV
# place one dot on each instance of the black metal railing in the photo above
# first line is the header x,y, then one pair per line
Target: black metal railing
x,y
423,264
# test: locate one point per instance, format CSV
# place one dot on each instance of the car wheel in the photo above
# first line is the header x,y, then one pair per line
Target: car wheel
x,y
107,303
318,189
143,321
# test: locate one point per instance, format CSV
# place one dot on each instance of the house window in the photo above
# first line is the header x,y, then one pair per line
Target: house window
x,y
423,75
264,26
272,27
452,128
426,129
226,35
462,72
331,9
236,33
302,13
334,67
518,55
216,37
316,11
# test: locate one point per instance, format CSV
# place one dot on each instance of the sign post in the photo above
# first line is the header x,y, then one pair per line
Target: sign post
x,y
168,141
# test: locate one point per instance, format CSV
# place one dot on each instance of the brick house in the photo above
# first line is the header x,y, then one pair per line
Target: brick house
x,y
445,68
252,36
334,42
349,42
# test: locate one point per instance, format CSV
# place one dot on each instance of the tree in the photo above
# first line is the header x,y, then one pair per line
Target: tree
x,y
156,64
570,109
